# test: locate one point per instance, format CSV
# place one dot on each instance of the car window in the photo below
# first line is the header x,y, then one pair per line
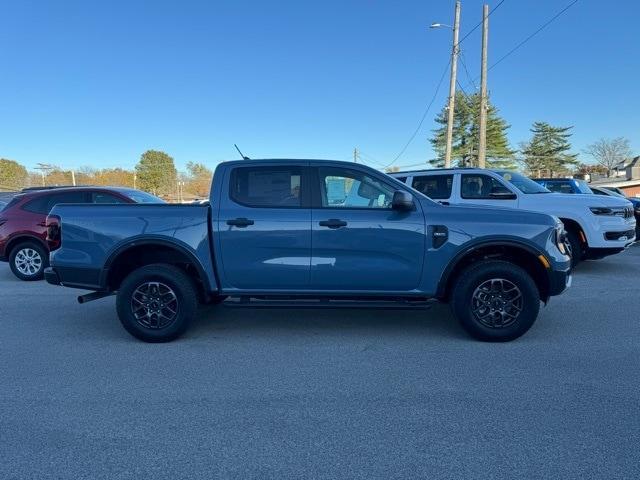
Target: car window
x,y
345,188
479,186
402,179
560,187
437,187
597,191
139,196
43,204
103,197
522,183
271,187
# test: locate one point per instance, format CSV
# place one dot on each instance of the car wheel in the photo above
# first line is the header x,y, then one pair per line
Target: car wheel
x,y
495,301
156,303
574,245
28,261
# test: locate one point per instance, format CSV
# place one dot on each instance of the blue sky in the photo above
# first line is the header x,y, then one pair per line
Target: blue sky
x,y
97,83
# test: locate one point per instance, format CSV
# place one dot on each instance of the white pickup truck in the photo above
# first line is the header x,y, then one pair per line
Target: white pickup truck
x,y
596,225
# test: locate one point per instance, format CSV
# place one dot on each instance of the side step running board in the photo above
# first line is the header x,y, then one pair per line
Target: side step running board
x,y
244,302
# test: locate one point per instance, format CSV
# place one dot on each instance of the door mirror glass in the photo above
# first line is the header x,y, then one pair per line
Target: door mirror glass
x,y
402,200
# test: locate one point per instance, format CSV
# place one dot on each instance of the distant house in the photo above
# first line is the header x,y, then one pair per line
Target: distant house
x,y
626,177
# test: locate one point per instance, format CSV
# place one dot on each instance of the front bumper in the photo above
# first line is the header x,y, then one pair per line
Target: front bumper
x,y
559,281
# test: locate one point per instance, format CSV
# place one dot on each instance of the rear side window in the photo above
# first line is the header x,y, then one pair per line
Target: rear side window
x,y
402,179
481,186
103,197
267,187
437,187
560,187
44,204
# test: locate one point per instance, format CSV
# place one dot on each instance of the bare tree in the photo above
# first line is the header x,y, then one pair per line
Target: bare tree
x,y
609,152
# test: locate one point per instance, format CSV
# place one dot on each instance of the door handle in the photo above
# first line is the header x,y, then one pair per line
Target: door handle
x,y
240,222
333,223
443,202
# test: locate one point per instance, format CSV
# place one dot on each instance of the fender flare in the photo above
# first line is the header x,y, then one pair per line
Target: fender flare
x,y
491,242
159,241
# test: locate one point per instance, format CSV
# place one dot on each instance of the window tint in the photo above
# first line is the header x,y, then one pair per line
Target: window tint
x,y
437,187
45,203
402,179
102,197
275,187
341,187
481,186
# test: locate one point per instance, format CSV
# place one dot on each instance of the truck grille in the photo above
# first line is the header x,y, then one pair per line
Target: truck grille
x,y
617,235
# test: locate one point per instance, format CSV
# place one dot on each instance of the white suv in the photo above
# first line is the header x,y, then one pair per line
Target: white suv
x,y
596,225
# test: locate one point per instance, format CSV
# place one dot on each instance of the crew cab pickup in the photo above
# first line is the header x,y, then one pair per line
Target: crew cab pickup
x,y
309,233
596,226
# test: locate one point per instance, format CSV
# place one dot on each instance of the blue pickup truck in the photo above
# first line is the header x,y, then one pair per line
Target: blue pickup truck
x,y
309,234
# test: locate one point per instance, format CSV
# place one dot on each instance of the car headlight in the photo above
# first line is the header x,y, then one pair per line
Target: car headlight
x,y
561,238
609,211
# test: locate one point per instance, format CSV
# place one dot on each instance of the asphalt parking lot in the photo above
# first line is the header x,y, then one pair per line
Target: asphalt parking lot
x,y
331,394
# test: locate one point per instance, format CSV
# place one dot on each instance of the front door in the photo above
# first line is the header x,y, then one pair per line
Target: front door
x,y
483,189
264,229
359,242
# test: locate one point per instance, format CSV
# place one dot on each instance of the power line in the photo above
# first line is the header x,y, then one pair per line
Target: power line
x,y
433,99
479,23
542,27
424,115
466,70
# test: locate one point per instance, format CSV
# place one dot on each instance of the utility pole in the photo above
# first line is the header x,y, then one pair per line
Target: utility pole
x,y
452,86
73,177
482,143
356,155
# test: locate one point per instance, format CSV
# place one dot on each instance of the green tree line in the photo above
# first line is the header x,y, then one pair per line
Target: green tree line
x,y
155,173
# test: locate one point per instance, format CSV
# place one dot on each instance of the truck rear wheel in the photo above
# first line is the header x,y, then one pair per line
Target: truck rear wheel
x,y
156,303
495,301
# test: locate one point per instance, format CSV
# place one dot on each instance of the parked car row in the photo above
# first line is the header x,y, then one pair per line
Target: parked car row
x,y
320,234
23,228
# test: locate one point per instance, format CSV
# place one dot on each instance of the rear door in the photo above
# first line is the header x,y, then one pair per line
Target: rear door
x,y
359,242
264,227
436,187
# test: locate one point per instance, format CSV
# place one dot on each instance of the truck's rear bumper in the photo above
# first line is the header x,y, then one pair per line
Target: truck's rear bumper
x,y
85,278
51,276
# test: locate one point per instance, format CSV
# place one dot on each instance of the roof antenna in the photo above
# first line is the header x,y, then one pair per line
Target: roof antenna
x,y
243,157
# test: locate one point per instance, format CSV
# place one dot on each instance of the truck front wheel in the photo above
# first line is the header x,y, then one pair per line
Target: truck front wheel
x,y
156,303
495,301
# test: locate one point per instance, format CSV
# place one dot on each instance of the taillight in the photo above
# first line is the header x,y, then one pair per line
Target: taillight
x,y
53,232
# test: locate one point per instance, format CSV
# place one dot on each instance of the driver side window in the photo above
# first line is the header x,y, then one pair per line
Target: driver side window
x,y
478,186
344,188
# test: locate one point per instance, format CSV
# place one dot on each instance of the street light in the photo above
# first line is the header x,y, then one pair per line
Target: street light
x,y
452,81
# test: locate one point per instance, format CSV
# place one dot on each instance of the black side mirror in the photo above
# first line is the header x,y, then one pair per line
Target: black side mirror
x,y
503,195
402,200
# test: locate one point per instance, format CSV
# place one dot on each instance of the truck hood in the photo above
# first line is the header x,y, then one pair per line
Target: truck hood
x,y
495,214
578,200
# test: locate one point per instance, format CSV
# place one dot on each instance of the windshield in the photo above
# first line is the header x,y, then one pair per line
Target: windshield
x,y
522,183
139,196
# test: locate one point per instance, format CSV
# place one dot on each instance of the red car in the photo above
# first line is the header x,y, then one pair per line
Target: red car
x,y
23,231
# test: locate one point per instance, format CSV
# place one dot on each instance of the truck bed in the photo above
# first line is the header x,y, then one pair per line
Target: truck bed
x,y
93,234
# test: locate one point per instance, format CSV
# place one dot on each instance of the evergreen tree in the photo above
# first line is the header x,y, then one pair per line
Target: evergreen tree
x,y
547,153
466,135
156,172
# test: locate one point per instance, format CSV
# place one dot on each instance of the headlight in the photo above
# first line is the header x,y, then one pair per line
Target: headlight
x,y
561,238
610,211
